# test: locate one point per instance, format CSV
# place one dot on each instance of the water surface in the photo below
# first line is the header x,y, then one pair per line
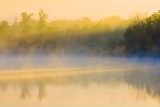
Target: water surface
x,y
47,81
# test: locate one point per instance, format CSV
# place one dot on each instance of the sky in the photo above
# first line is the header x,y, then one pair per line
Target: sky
x,y
74,9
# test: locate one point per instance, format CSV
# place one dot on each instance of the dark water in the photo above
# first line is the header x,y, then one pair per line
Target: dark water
x,y
96,82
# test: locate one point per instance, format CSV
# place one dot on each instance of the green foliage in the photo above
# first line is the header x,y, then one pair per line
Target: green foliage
x,y
83,35
143,36
4,26
42,20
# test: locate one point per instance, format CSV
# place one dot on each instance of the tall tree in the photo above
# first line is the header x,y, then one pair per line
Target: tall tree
x,y
26,21
42,20
143,35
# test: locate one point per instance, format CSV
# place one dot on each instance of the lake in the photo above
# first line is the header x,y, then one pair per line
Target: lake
x,y
78,81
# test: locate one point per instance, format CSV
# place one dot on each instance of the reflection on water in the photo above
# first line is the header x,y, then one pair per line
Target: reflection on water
x,y
138,88
107,82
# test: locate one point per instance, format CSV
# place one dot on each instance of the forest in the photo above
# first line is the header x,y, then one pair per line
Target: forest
x,y
109,36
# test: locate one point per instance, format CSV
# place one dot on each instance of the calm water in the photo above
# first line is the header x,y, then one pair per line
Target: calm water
x,y
51,81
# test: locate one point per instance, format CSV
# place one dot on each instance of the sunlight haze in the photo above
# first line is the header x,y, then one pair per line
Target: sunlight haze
x,y
70,9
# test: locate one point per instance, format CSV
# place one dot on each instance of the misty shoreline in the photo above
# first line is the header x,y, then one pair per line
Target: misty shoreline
x,y
28,61
113,36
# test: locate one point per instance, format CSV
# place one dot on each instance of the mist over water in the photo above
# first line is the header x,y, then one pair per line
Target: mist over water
x,y
27,61
68,80
111,62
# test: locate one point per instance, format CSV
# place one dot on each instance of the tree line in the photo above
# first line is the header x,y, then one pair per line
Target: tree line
x,y
80,35
142,37
108,36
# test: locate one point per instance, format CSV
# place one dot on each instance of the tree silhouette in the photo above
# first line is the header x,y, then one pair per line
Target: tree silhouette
x,y
4,26
26,22
143,36
42,20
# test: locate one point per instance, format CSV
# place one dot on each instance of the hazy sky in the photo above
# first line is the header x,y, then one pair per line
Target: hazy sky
x,y
70,9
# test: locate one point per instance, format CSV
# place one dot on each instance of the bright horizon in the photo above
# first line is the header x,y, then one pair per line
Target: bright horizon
x,y
74,9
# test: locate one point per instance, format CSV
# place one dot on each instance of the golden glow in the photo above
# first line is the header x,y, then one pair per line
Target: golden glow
x,y
59,9
26,74
78,96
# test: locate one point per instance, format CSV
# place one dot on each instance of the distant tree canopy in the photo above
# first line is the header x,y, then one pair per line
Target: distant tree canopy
x,y
80,35
143,36
42,20
109,36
